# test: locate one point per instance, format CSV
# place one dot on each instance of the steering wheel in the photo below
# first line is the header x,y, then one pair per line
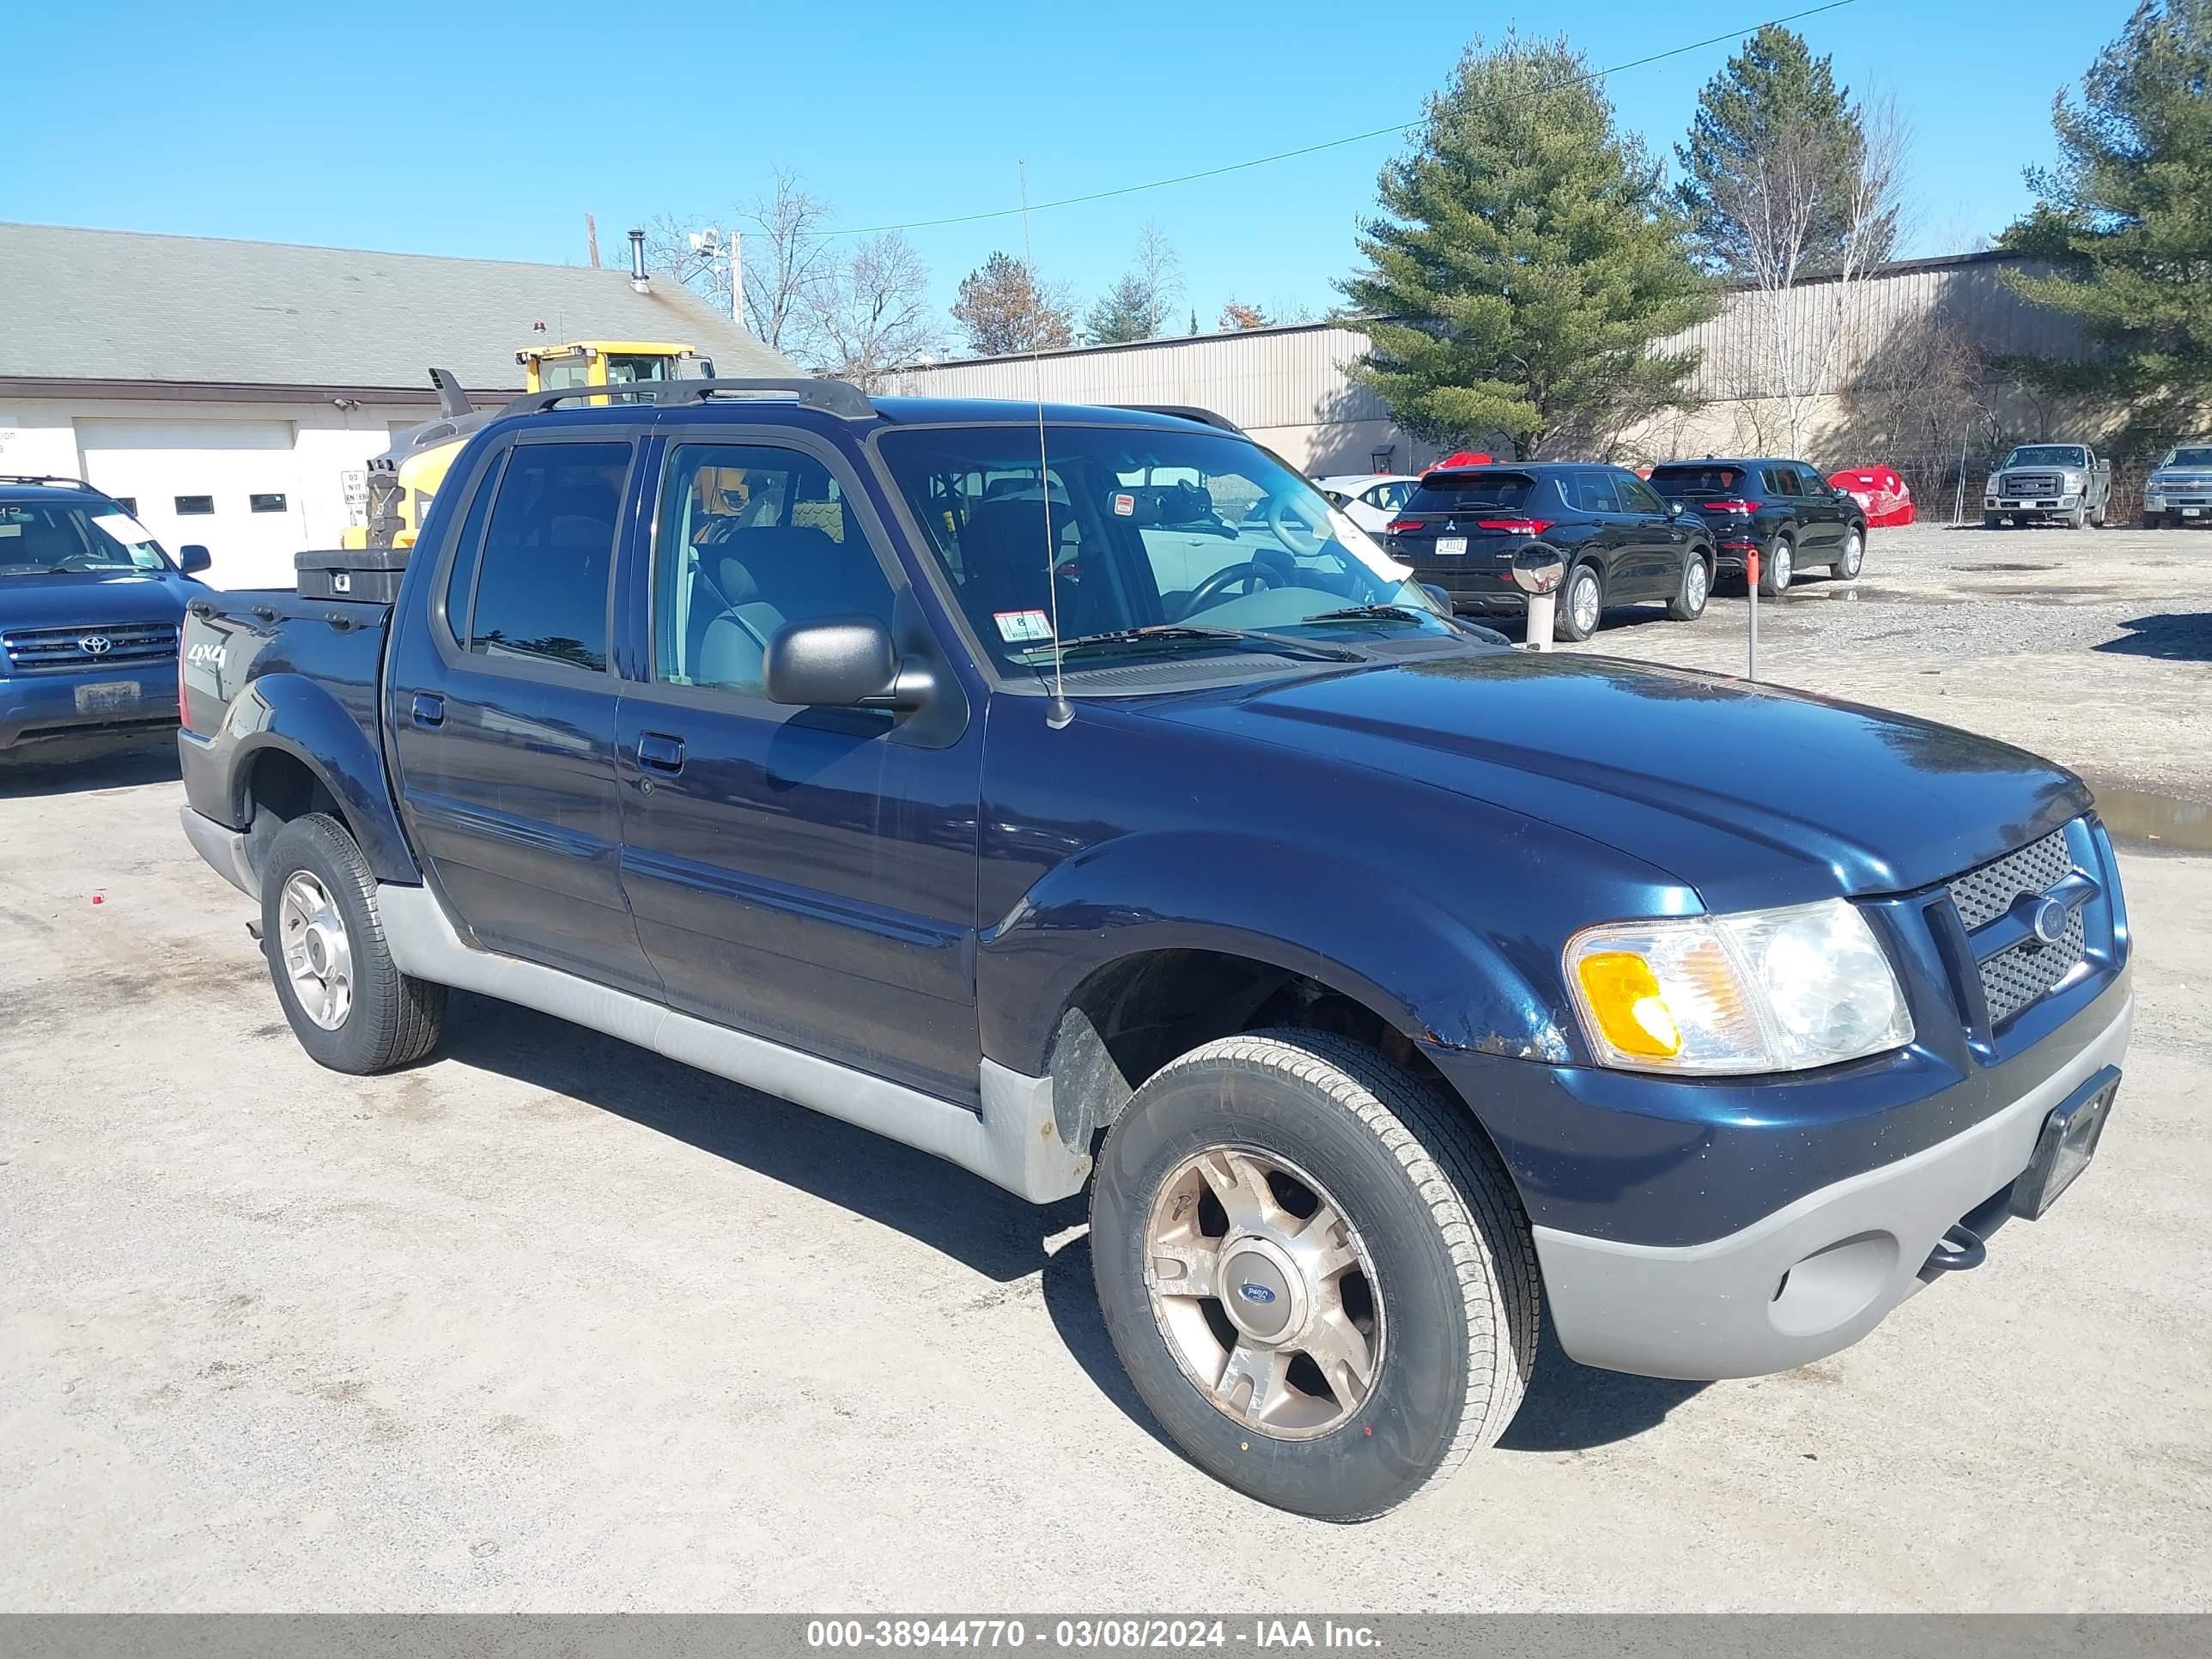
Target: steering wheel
x,y
1252,574
1305,540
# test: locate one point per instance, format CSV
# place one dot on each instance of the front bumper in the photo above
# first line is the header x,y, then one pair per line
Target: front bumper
x,y
42,713
2029,504
1814,1276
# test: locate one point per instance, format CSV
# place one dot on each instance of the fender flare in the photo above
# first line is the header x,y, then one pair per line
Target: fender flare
x,y
294,715
1363,933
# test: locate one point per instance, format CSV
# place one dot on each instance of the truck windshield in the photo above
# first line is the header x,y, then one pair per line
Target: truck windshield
x,y
53,538
2048,455
2191,455
1194,531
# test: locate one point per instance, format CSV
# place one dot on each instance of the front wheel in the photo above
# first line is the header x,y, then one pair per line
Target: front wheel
x,y
1778,568
1581,602
1315,1270
1689,601
1853,556
345,998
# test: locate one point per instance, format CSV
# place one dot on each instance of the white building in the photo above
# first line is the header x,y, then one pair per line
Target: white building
x,y
229,391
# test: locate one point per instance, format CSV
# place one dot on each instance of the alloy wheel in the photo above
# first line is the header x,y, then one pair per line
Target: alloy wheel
x,y
1582,602
317,955
1693,585
1264,1292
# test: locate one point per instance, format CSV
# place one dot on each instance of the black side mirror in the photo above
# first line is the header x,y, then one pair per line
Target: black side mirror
x,y
847,664
192,558
1444,599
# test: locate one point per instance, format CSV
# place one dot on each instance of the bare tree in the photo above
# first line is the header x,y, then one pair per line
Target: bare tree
x,y
787,258
1003,309
669,251
871,314
1791,185
1137,305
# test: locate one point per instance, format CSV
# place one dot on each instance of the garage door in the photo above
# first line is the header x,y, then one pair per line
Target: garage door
x,y
232,486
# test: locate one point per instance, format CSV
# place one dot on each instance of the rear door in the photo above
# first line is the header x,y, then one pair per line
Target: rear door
x,y
501,706
807,875
1619,539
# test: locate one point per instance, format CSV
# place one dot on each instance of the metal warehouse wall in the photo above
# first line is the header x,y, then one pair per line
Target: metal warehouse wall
x,y
1286,386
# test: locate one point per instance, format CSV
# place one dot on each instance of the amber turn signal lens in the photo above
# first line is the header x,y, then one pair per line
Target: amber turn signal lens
x,y
1623,994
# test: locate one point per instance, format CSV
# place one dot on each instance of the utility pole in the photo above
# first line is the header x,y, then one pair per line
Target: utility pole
x,y
730,255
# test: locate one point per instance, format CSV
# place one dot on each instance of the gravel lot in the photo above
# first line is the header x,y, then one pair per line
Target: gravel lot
x,y
550,1323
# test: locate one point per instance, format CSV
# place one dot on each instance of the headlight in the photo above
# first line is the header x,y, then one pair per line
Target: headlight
x,y
2073,481
1760,990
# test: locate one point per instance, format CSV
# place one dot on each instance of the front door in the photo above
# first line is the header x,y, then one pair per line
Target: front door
x,y
503,711
807,875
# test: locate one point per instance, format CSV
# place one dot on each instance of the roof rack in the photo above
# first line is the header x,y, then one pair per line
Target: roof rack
x,y
1184,411
832,397
50,478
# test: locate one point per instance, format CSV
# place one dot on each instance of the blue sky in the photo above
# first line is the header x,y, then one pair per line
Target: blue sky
x,y
489,130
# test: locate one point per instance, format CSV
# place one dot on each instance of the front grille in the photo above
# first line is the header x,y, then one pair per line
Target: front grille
x,y
2031,483
2023,973
1984,895
73,650
2026,972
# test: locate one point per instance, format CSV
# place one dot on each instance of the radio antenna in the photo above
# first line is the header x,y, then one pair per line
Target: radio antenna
x,y
1058,711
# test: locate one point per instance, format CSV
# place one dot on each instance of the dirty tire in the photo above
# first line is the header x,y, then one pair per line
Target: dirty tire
x,y
392,1019
1564,623
1696,587
1852,559
1455,1265
1779,568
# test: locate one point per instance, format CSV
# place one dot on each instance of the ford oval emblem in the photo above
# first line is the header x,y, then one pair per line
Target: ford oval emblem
x,y
1252,1292
2049,921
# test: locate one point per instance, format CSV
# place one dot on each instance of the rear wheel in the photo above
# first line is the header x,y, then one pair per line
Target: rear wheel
x,y
1316,1271
345,998
1581,602
1779,568
1689,601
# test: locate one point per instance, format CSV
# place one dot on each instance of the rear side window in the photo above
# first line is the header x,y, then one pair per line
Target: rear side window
x,y
1780,481
542,579
1687,481
1590,492
1461,492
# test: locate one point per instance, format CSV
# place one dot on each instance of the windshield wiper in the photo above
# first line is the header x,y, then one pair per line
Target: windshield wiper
x,y
1180,632
1365,613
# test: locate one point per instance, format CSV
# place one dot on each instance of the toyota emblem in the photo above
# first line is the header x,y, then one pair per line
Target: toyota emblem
x,y
94,645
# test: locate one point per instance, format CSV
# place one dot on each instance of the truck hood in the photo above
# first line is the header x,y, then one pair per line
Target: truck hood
x,y
1750,794
91,596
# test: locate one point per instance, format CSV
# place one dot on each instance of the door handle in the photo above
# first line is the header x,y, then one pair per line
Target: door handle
x,y
660,752
428,709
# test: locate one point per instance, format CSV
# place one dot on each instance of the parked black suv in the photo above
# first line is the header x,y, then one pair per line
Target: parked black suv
x,y
1785,510
1622,543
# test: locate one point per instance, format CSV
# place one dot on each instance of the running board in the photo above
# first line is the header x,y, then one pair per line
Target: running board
x,y
1013,1141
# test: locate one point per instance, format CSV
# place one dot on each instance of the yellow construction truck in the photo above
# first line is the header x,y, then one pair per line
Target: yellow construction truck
x,y
403,479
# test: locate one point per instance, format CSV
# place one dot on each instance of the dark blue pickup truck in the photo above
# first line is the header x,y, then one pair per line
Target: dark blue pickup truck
x,y
1072,793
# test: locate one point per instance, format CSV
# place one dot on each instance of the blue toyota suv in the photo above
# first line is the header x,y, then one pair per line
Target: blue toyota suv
x,y
90,610
1073,794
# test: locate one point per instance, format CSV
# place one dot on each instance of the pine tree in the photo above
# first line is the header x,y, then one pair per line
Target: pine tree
x,y
2125,218
1524,262
1772,157
1002,309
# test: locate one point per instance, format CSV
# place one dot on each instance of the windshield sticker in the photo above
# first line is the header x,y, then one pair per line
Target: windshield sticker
x,y
11,529
121,526
1125,506
1019,627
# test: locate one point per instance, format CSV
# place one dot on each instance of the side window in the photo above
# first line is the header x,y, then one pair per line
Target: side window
x,y
1779,481
1637,497
542,580
1594,493
751,537
461,580
1810,483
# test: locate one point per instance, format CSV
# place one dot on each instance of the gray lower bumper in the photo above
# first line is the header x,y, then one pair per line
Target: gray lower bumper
x,y
1852,1252
222,846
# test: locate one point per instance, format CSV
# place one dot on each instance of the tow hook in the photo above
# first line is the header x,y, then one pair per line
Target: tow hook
x,y
1959,1249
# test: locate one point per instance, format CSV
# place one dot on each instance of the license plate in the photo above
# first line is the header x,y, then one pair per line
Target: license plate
x,y
2190,512
106,697
1447,546
2067,1144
